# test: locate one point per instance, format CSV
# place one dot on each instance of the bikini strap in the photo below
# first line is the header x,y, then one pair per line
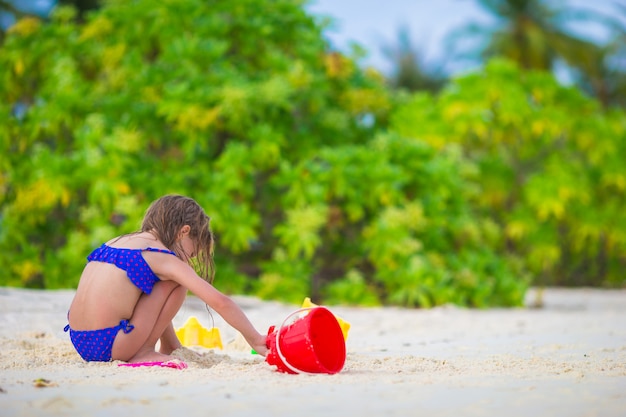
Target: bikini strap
x,y
160,250
66,328
125,326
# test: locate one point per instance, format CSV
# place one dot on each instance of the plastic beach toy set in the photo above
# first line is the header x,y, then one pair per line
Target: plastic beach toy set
x,y
310,340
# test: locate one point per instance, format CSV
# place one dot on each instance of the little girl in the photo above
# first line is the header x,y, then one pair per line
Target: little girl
x,y
136,283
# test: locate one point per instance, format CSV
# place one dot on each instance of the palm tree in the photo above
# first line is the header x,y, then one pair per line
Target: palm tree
x,y
603,73
529,32
534,34
410,71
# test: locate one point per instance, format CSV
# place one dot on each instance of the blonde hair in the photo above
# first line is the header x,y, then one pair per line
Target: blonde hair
x,y
167,215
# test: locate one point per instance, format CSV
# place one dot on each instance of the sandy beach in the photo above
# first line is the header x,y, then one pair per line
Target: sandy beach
x,y
565,359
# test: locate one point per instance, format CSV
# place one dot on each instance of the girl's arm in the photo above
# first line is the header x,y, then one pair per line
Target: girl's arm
x,y
234,316
168,267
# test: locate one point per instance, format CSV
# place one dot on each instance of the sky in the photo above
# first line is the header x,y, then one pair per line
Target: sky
x,y
374,23
38,7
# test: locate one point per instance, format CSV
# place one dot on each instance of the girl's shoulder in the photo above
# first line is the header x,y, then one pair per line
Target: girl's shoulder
x,y
137,241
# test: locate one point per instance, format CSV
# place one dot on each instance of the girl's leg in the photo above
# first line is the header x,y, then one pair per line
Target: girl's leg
x,y
169,341
152,316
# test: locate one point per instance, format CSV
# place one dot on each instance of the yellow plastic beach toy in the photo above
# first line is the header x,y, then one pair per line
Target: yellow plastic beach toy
x,y
345,326
193,334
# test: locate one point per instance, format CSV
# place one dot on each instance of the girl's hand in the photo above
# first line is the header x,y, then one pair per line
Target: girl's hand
x,y
259,345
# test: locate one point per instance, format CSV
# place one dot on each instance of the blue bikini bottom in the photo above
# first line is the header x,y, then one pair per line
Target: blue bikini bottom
x,y
96,345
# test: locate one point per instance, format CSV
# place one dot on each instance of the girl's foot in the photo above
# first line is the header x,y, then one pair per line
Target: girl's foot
x,y
150,356
166,349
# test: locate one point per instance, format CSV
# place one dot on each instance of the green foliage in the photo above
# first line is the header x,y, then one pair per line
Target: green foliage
x,y
353,289
284,278
550,168
241,106
98,119
398,226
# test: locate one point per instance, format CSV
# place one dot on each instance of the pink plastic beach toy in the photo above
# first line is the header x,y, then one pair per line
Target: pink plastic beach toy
x,y
167,364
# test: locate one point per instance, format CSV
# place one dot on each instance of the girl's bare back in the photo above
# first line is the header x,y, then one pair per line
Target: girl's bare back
x,y
105,294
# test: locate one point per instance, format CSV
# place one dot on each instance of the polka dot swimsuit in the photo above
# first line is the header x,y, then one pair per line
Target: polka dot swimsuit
x,y
96,345
131,261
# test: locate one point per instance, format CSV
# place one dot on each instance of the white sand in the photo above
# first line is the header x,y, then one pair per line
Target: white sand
x,y
567,359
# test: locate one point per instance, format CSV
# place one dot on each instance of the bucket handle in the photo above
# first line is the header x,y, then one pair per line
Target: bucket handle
x,y
280,353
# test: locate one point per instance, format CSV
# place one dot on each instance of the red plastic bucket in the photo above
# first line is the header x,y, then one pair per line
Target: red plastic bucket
x,y
313,344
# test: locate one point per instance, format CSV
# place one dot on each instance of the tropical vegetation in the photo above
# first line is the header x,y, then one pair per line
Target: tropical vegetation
x,y
320,178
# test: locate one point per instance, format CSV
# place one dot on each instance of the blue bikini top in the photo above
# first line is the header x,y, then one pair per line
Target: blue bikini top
x,y
131,261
